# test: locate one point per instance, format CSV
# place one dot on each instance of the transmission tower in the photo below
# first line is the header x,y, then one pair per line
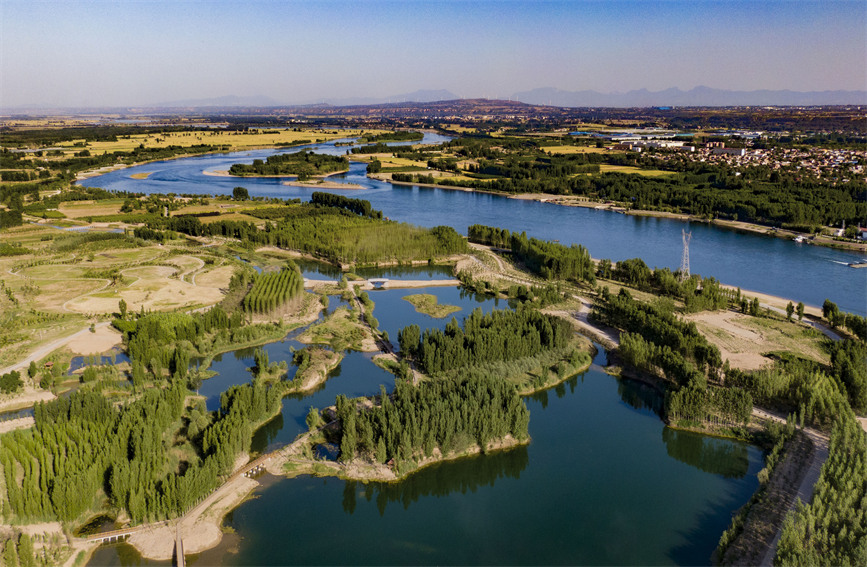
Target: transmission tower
x,y
684,262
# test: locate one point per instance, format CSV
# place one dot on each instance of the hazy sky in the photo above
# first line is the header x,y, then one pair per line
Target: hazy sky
x,y
72,53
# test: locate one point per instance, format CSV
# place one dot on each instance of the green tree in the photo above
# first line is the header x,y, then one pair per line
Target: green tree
x,y
790,309
240,194
800,310
10,554
32,369
122,307
25,551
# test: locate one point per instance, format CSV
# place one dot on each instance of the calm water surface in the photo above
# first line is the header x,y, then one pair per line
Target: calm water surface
x,y
603,481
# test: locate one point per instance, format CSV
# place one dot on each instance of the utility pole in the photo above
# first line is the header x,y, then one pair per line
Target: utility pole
x,y
684,261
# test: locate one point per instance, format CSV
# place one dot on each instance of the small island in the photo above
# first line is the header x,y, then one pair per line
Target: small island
x,y
427,304
305,165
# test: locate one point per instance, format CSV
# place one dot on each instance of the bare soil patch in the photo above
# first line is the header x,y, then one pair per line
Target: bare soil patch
x,y
103,339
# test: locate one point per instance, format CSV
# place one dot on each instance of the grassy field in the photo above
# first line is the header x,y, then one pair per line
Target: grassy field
x,y
747,341
340,330
235,140
82,209
607,168
575,150
427,304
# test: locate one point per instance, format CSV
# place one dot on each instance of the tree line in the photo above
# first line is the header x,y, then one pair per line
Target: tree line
x,y
330,233
304,164
450,415
499,335
551,260
654,340
271,290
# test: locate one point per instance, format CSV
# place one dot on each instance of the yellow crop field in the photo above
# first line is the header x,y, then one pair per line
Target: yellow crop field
x,y
606,168
234,140
574,150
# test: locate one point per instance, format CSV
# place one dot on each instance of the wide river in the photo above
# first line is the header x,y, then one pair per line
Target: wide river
x,y
751,261
603,481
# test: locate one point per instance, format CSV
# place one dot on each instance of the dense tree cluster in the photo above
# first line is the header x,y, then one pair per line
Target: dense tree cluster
x,y
10,382
273,289
551,260
397,136
499,335
658,337
358,206
656,341
697,293
803,387
832,529
157,340
330,233
450,415
303,164
83,443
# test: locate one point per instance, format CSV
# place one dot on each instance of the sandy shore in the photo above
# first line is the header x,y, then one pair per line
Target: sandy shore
x,y
324,185
13,424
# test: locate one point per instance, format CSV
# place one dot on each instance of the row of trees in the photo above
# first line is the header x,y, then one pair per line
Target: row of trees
x,y
855,323
697,293
273,289
358,206
832,529
450,415
550,260
303,164
654,340
499,335
330,233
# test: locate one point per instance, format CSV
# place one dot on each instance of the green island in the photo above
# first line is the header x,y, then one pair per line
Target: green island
x,y
304,164
168,279
427,304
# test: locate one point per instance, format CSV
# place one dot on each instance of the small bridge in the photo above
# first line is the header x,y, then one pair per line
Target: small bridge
x,y
378,283
113,536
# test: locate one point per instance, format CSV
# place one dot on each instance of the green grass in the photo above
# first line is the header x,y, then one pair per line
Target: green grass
x,y
427,304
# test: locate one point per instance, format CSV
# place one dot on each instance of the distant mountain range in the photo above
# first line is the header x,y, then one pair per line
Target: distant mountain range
x,y
699,96
549,96
258,101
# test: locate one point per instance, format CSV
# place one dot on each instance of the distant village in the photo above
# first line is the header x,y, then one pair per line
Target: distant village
x,y
834,165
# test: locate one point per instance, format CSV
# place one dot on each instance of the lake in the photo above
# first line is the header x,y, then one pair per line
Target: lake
x,y
603,481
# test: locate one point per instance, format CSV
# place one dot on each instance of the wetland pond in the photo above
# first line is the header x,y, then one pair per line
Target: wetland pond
x,y
603,481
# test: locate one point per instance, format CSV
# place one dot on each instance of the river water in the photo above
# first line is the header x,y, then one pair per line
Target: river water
x,y
751,261
602,482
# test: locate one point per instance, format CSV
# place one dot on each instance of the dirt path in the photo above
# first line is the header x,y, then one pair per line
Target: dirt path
x,y
606,336
47,349
807,486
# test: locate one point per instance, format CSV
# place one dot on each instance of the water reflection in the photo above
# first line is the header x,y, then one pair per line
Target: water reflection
x,y
464,475
640,396
716,456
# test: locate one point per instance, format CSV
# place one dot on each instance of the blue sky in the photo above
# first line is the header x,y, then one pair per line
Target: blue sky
x,y
100,53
